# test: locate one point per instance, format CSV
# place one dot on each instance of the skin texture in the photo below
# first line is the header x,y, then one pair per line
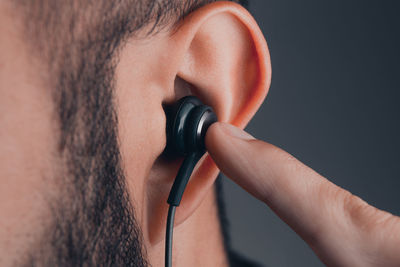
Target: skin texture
x,y
69,196
342,229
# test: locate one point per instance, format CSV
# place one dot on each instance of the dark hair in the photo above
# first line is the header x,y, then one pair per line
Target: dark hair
x,y
75,35
78,42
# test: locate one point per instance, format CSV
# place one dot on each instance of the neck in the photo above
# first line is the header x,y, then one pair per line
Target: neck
x,y
198,241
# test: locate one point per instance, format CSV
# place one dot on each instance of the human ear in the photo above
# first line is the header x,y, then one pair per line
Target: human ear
x,y
218,54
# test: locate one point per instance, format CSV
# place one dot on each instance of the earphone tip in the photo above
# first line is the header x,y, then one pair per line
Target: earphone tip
x,y
187,123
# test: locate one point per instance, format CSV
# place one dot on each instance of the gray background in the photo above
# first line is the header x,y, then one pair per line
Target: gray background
x,y
333,103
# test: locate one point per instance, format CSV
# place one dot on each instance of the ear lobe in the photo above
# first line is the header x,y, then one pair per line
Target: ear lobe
x,y
224,58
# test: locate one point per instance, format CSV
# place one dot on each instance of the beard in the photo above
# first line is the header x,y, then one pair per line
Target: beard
x,y
93,222
92,219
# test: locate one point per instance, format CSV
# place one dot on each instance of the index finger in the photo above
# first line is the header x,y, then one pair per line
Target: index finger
x,y
335,223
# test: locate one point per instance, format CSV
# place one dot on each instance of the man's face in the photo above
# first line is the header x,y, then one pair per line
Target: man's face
x,y
64,200
82,131
82,90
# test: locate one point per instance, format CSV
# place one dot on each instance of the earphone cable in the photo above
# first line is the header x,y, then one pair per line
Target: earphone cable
x,y
175,197
168,235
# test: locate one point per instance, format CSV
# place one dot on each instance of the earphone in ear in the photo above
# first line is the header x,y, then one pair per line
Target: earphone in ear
x,y
187,123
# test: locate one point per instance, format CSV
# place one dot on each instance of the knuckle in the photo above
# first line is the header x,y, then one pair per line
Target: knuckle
x,y
361,215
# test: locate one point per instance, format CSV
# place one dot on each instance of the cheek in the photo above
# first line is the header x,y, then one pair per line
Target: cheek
x,y
142,137
27,158
140,91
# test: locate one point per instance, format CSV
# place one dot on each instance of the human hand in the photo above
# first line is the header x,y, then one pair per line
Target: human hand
x,y
342,229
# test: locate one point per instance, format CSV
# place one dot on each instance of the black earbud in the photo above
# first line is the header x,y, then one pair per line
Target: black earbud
x,y
187,123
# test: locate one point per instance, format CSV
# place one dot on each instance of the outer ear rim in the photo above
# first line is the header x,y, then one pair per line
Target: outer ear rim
x,y
264,65
261,48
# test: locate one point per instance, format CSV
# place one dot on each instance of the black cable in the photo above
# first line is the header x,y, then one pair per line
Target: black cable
x,y
175,197
182,178
168,236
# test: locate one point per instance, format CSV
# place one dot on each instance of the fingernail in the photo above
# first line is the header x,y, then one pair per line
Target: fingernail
x,y
236,132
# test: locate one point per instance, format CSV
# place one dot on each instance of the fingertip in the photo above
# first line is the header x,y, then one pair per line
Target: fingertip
x,y
212,135
220,129
236,132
